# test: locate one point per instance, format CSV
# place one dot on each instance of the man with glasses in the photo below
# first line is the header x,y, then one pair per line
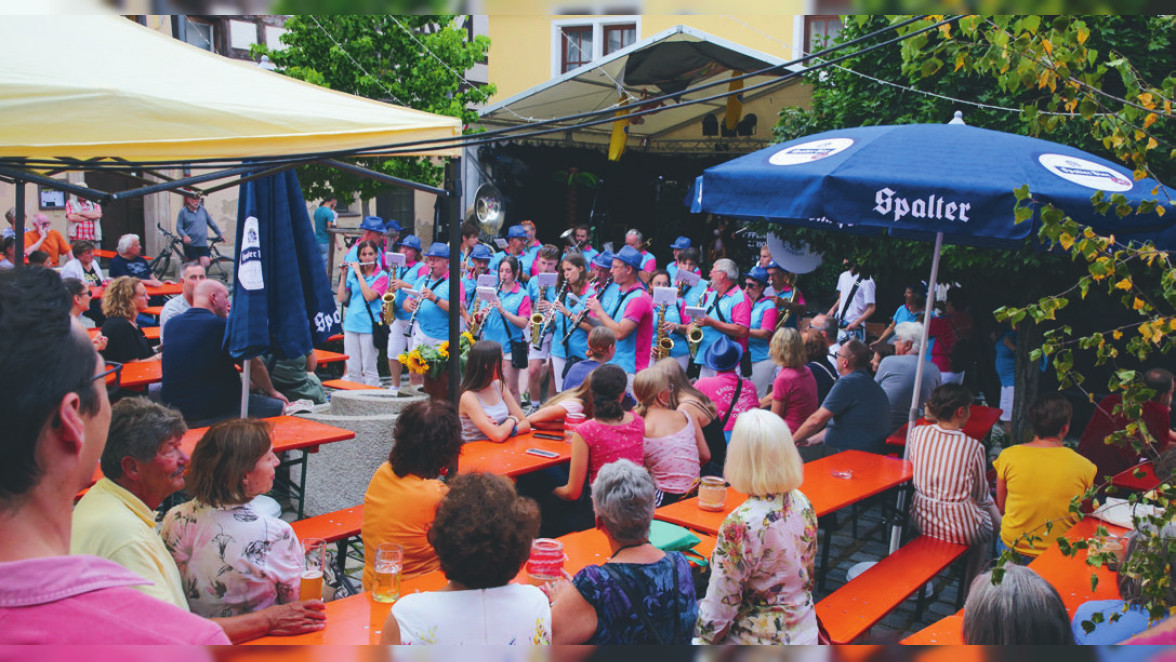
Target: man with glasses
x,y
856,411
56,413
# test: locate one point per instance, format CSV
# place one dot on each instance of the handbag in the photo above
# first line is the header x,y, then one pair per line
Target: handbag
x,y
518,348
380,332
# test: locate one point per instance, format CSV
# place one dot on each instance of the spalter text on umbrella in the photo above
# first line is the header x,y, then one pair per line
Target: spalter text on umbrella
x,y
934,207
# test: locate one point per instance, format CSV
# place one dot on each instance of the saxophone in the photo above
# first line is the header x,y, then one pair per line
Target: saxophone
x,y
537,319
694,332
389,307
664,344
475,327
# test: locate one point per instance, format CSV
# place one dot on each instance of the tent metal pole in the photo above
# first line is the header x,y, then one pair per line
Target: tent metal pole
x,y
389,179
245,388
18,227
455,300
913,415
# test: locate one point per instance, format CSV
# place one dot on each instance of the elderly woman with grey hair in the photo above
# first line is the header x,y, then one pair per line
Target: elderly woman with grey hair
x,y
641,595
1023,609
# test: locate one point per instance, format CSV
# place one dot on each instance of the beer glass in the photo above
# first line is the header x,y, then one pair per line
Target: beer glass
x,y
712,493
389,560
315,557
571,422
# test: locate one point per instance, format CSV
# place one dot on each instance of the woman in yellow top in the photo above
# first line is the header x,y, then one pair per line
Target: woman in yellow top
x,y
1036,481
402,497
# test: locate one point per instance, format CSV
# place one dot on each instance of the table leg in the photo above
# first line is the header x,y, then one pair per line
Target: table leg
x,y
829,523
285,486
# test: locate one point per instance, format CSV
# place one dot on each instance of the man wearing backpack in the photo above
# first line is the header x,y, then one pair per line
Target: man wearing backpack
x,y
954,351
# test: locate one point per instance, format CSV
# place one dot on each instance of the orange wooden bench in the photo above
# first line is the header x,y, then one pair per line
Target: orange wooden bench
x,y
155,311
344,385
851,610
340,527
336,337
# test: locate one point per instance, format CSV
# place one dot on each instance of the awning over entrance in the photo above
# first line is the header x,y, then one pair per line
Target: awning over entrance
x,y
666,63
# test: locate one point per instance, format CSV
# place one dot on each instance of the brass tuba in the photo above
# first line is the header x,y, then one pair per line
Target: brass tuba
x,y
389,307
664,344
784,310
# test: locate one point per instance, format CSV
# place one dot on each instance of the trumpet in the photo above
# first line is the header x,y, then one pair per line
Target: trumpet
x,y
389,307
664,344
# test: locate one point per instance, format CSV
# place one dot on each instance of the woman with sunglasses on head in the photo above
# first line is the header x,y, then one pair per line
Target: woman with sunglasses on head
x,y
81,295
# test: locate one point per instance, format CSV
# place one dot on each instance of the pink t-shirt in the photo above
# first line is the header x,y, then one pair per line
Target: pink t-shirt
x,y
673,460
609,443
797,389
721,390
83,599
639,308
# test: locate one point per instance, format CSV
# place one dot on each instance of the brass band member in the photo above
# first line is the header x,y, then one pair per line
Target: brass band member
x,y
727,311
627,311
761,328
785,293
674,327
539,359
569,344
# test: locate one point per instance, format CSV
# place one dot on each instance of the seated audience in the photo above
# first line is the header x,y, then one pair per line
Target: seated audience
x,y
402,497
38,259
55,429
602,345
130,261
82,266
896,374
1036,481
81,295
8,251
1111,459
233,558
125,298
482,535
952,501
41,237
143,464
793,396
881,351
685,398
675,449
1022,610
761,584
1126,617
817,354
731,393
856,410
575,401
191,274
200,377
641,595
488,411
295,378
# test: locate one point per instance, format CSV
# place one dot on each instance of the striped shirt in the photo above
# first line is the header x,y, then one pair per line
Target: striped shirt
x,y
951,491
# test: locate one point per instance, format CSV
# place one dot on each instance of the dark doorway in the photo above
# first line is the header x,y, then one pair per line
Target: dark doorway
x,y
120,217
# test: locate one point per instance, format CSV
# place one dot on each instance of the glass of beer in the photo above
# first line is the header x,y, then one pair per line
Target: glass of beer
x,y
712,493
571,422
315,557
389,559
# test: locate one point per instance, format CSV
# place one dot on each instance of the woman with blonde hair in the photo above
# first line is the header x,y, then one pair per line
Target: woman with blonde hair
x,y
761,585
675,449
685,398
794,391
124,299
575,401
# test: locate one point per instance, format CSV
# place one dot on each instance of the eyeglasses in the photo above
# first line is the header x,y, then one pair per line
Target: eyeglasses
x,y
753,283
112,375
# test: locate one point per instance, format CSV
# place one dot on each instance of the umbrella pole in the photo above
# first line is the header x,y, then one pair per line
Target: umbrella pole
x,y
245,389
913,415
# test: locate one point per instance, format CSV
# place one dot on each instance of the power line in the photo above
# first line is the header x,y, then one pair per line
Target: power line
x,y
353,61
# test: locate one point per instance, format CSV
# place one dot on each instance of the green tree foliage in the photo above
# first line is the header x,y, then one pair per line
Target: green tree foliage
x,y
388,58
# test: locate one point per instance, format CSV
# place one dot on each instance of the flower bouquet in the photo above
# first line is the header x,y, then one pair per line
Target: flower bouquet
x,y
433,362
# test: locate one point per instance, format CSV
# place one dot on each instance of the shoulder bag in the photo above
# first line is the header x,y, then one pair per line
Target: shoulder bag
x,y
518,348
380,331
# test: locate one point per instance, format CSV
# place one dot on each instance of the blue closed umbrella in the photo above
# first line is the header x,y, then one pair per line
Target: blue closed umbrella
x,y
282,301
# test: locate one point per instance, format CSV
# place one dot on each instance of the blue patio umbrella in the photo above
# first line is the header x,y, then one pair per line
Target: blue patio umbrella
x,y
282,301
940,182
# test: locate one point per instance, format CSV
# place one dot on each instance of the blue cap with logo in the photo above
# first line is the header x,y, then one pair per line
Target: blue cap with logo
x,y
481,252
723,355
411,241
516,232
630,256
372,223
680,244
438,249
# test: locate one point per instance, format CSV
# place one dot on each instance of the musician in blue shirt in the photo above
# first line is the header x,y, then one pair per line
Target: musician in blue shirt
x,y
516,245
570,343
541,298
680,246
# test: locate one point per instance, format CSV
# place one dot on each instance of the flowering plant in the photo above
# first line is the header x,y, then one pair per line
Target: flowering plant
x,y
433,361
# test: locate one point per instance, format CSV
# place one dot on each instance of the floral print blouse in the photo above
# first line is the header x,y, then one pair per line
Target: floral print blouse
x,y
761,585
233,560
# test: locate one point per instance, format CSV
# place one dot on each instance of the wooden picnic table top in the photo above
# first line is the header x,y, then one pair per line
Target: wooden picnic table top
x,y
1070,576
510,458
137,374
872,474
150,332
979,424
323,356
359,620
167,289
1127,480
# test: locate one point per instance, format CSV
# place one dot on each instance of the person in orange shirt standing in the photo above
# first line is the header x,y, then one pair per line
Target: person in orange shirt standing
x,y
44,238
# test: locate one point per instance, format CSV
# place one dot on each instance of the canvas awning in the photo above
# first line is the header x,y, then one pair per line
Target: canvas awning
x,y
665,63
104,86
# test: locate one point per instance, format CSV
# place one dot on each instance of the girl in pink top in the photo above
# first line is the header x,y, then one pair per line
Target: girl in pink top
x,y
612,433
794,391
675,449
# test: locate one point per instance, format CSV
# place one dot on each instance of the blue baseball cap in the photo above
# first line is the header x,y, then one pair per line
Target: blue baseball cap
x,y
680,244
723,355
481,252
773,265
393,226
630,256
516,232
758,273
603,260
438,249
372,223
411,241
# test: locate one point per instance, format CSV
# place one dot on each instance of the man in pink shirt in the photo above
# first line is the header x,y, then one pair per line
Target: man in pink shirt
x,y
56,427
627,311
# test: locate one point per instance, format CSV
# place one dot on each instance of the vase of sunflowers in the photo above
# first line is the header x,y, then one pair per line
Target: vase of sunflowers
x,y
433,364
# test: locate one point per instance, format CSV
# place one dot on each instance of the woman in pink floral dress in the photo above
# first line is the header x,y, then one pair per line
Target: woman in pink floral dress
x,y
761,585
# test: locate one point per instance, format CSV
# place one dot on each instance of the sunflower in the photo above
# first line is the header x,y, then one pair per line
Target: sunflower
x,y
403,358
417,364
468,337
443,349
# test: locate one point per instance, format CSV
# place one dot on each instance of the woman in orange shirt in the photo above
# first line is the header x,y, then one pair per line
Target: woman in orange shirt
x,y
402,498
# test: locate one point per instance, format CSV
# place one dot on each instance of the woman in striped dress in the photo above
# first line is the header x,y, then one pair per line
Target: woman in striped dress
x,y
952,500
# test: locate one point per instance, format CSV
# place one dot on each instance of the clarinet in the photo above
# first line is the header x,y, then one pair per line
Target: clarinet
x,y
546,327
579,319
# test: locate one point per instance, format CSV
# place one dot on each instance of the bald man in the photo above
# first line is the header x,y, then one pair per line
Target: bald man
x,y
200,378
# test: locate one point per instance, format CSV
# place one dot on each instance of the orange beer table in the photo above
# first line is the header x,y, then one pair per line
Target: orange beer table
x,y
979,424
359,620
323,356
510,457
872,474
150,332
138,374
170,289
1070,576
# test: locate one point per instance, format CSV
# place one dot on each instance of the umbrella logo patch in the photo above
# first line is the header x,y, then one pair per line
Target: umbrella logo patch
x,y
810,151
249,271
1086,173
